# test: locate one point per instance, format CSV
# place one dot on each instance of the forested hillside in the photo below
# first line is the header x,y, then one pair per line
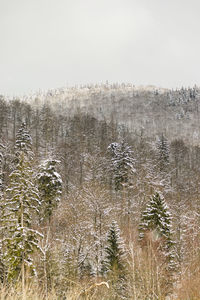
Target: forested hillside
x,y
100,193
153,110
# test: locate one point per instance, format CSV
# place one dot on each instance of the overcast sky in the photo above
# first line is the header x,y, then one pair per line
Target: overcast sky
x,y
55,43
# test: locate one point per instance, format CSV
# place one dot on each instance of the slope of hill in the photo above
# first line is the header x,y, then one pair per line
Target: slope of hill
x,y
148,109
88,170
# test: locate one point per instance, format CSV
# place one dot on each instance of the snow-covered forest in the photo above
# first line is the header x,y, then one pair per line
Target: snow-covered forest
x,y
100,193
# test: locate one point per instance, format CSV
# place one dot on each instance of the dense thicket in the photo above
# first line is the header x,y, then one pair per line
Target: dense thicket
x,y
72,161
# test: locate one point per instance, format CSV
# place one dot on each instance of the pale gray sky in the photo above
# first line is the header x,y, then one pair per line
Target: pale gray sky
x,y
54,43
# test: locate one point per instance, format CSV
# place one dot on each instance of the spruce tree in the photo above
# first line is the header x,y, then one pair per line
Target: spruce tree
x,y
156,217
50,187
155,227
114,252
20,209
21,206
163,153
122,164
23,141
114,263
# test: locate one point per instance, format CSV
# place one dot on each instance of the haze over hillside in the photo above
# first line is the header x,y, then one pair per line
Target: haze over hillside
x,y
146,110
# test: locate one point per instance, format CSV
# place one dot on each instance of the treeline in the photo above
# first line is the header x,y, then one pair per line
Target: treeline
x,y
87,201
155,111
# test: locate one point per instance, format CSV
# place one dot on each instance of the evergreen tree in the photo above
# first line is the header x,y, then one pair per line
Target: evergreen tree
x,y
114,264
114,252
163,153
122,164
50,187
23,140
156,217
155,227
21,206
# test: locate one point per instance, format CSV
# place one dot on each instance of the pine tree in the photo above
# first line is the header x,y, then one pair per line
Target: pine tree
x,y
122,164
114,252
163,153
50,187
156,217
19,211
155,228
114,263
23,140
21,206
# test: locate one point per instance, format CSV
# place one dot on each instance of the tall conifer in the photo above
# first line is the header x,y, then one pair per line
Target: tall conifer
x,y
155,229
20,208
50,187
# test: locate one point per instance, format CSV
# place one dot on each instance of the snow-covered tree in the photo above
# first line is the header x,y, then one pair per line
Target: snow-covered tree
x,y
23,140
114,251
122,164
50,187
163,153
20,207
155,230
156,217
114,263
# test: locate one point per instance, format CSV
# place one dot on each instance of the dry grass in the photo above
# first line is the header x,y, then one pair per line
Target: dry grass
x,y
32,292
187,289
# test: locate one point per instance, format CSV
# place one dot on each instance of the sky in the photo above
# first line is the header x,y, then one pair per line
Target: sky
x,y
47,44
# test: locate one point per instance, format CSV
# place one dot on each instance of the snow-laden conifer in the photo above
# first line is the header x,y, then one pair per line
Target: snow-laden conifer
x,y
163,153
50,187
114,250
114,263
155,229
21,206
156,217
23,140
20,209
122,163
